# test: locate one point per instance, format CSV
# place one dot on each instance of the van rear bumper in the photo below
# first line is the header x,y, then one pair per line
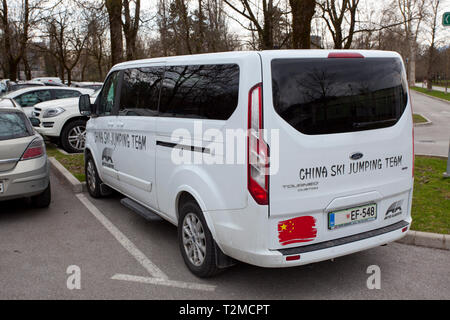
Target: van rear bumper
x,y
321,251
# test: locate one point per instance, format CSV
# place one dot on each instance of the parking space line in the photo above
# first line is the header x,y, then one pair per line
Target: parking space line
x,y
123,240
165,282
158,277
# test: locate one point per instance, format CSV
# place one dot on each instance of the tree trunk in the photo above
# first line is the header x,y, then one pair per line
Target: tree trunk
x,y
302,13
267,36
114,8
26,67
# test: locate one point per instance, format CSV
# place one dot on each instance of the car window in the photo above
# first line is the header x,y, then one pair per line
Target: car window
x,y
62,94
107,96
139,93
200,91
29,99
14,125
325,96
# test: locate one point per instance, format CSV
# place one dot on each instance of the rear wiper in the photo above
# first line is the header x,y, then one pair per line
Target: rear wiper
x,y
374,123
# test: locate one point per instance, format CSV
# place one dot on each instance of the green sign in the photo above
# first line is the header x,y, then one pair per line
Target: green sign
x,y
446,19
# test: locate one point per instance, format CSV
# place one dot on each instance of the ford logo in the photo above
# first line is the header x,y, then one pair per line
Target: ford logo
x,y
356,156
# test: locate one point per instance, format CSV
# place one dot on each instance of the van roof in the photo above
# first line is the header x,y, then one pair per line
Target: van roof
x,y
288,53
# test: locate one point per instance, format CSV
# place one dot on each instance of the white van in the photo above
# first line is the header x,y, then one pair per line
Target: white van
x,y
326,169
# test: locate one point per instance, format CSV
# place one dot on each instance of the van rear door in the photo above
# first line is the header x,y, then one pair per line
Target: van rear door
x,y
344,155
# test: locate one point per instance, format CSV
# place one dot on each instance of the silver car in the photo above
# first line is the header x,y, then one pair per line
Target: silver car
x,y
24,167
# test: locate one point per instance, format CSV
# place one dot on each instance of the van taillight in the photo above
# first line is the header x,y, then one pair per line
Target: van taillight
x,y
345,55
257,149
34,150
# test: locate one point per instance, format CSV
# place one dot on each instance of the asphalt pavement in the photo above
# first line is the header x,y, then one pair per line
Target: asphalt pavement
x,y
431,139
118,253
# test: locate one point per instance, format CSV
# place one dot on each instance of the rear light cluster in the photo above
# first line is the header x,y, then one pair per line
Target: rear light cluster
x,y
257,149
34,150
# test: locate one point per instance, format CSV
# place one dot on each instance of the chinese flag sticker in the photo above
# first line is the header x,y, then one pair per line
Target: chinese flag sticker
x,y
301,229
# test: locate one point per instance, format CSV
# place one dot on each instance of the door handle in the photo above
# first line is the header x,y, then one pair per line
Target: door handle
x,y
120,124
110,124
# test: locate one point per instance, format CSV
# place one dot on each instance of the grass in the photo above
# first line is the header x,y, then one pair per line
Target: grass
x,y
73,162
431,199
434,93
417,118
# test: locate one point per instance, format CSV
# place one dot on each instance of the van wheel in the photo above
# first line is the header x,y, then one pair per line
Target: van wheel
x,y
73,136
92,179
42,200
197,245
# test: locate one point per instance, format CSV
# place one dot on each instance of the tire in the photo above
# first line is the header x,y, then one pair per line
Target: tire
x,y
73,136
93,181
198,248
42,200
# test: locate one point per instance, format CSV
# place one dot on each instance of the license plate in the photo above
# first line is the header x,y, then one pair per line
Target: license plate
x,y
1,187
347,217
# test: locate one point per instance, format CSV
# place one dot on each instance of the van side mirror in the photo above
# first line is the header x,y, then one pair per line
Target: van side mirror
x,y
85,106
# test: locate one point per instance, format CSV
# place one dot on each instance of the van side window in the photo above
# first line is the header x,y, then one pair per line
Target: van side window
x,y
139,95
200,91
107,96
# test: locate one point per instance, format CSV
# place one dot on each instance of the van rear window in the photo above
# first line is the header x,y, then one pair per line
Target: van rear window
x,y
325,96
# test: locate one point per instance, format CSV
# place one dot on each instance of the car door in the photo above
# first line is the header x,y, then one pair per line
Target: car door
x,y
102,126
135,129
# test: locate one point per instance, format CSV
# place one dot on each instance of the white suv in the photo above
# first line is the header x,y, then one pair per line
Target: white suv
x,y
61,122
274,158
28,97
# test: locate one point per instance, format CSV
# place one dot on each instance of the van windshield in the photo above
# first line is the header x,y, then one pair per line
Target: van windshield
x,y
325,96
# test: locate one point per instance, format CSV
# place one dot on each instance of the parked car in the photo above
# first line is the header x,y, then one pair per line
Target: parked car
x,y
323,165
89,85
28,97
24,84
61,122
49,79
24,168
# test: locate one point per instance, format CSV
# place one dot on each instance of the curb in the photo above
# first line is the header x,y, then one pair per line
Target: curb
x,y
426,239
427,123
418,238
427,95
64,174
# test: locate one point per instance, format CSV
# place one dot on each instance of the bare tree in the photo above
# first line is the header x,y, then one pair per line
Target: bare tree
x,y
412,13
130,26
16,31
302,14
68,41
340,16
263,28
114,9
433,22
